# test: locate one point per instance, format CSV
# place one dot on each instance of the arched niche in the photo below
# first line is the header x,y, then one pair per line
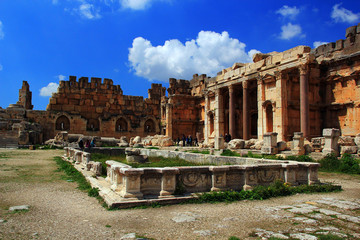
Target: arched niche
x,y
62,123
121,125
149,126
93,125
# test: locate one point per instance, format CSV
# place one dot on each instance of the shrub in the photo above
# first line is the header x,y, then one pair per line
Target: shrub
x,y
346,164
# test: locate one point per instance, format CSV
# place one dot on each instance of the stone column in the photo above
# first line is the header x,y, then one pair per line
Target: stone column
x,y
219,120
86,158
304,100
270,143
231,111
168,182
246,126
206,121
331,141
218,178
298,144
169,127
132,183
290,173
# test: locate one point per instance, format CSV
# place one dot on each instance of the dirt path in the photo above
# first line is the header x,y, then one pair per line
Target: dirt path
x,y
60,211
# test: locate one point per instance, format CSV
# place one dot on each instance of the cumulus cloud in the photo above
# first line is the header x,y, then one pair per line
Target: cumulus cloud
x,y
290,31
318,43
136,4
287,11
88,11
2,34
49,89
340,14
207,54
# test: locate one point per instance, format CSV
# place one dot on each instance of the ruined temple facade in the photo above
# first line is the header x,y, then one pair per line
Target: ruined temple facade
x,y
298,90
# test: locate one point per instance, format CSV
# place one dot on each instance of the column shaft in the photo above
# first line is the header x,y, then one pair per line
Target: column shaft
x,y
246,127
231,112
304,101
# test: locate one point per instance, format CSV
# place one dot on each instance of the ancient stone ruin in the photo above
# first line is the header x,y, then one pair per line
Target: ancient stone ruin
x,y
301,90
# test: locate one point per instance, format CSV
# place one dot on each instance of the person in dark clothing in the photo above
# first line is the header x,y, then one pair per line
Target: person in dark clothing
x,y
184,140
81,144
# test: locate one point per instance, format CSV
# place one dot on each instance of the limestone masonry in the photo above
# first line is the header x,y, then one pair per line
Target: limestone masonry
x,y
301,90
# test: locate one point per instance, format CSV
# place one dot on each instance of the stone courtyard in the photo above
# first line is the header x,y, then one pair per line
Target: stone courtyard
x,y
29,178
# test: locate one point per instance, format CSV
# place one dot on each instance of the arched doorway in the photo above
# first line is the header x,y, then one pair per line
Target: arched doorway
x,y
121,125
149,126
269,117
62,123
93,125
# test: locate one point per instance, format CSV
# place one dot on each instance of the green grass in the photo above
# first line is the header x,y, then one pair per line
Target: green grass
x,y
4,155
230,153
153,161
346,164
329,237
198,151
276,189
74,175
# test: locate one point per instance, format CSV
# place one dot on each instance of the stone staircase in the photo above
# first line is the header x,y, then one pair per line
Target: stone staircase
x,y
8,139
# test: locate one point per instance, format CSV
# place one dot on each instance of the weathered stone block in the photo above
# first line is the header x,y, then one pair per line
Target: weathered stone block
x,y
236,144
348,149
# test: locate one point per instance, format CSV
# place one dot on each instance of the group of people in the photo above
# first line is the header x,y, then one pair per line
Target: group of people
x,y
87,144
187,141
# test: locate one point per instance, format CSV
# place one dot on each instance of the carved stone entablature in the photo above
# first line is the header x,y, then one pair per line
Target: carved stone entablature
x,y
268,78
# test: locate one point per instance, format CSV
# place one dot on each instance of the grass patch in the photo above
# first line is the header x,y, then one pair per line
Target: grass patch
x,y
346,164
329,237
4,155
153,161
230,153
233,238
198,151
277,189
77,177
153,148
47,147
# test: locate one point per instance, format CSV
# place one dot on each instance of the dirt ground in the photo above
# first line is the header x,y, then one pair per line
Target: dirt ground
x,y
60,211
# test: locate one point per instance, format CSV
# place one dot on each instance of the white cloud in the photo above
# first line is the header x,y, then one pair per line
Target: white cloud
x,y
136,4
2,34
287,11
318,43
49,89
1,67
61,77
340,14
252,52
290,31
88,11
207,54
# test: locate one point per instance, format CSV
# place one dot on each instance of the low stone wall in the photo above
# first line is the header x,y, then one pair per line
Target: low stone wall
x,y
161,182
83,158
138,183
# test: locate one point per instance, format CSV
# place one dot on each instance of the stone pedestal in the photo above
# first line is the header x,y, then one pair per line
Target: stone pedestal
x,y
331,136
218,178
86,158
131,181
298,144
168,182
290,173
219,143
270,143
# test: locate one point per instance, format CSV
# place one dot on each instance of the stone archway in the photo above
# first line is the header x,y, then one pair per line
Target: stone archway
x,y
121,125
62,123
93,125
149,126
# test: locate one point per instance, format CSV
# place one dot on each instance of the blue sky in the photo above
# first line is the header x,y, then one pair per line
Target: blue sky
x,y
139,42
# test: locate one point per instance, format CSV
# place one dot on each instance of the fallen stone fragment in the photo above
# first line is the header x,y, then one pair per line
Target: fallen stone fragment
x,y
19,208
129,236
279,235
303,236
205,232
328,212
329,228
349,218
185,217
305,220
2,220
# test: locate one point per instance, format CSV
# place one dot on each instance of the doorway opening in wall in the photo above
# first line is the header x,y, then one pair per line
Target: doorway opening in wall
x,y
121,125
253,122
211,118
149,126
62,123
269,117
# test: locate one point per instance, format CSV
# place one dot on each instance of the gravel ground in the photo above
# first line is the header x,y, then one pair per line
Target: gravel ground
x,y
60,211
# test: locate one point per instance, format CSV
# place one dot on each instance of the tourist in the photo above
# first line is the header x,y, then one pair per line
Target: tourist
x,y
183,140
81,144
92,144
87,144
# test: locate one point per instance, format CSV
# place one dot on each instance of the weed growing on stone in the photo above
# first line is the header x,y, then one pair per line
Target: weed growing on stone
x,y
153,148
198,151
346,164
328,237
276,189
233,238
